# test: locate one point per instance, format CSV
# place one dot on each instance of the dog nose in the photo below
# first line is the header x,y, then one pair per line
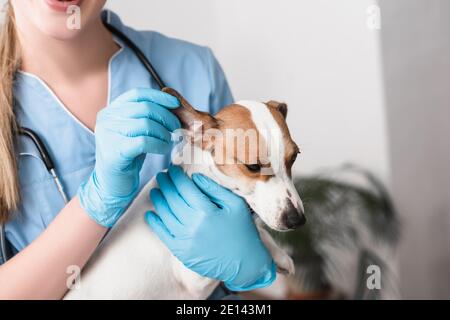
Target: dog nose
x,y
293,217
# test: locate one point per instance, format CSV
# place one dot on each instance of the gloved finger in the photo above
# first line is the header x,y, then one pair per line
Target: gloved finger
x,y
141,127
149,110
148,94
218,194
164,212
157,225
175,201
136,146
189,191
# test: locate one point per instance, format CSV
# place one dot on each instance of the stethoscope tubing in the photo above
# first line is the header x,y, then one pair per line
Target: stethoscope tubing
x,y
137,51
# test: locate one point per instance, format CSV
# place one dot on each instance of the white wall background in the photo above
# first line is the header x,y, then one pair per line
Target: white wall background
x,y
317,55
416,54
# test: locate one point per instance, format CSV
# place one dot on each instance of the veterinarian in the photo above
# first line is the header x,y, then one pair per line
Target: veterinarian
x,y
96,108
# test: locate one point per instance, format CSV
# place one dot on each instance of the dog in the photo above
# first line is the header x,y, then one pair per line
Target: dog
x,y
132,263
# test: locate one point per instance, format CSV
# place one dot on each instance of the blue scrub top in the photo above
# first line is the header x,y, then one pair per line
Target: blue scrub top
x,y
190,69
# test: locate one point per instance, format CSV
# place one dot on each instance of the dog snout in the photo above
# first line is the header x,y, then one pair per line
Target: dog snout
x,y
293,217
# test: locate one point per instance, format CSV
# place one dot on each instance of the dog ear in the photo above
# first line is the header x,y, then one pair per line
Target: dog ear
x,y
188,115
281,107
197,123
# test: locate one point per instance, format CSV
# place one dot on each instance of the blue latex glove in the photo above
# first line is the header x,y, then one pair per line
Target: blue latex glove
x,y
136,123
210,230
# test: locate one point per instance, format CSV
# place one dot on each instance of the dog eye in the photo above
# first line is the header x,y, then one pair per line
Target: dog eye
x,y
253,167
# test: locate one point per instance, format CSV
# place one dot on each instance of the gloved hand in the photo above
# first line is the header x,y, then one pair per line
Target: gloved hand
x,y
135,124
210,230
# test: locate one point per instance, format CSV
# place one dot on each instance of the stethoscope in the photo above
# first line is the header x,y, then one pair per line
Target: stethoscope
x,y
44,155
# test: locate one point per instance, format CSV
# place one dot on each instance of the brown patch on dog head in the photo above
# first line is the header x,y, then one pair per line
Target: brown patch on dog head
x,y
279,112
239,148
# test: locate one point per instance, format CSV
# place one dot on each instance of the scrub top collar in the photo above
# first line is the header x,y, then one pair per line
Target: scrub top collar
x,y
23,77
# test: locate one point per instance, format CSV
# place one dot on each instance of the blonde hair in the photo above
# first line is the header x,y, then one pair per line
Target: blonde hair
x,y
9,63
